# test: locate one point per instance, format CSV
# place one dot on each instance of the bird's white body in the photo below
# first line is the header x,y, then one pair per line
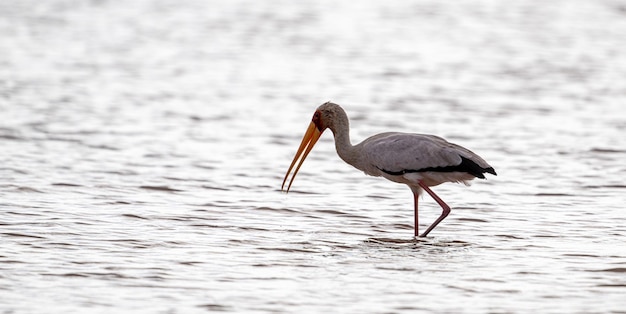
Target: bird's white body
x,y
417,160
397,152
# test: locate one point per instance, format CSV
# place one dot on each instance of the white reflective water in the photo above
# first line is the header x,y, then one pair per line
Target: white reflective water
x,y
143,145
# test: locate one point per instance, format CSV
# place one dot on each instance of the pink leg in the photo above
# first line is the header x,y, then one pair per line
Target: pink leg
x,y
444,206
416,198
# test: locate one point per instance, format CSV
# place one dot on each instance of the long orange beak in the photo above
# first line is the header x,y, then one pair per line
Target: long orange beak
x,y
308,141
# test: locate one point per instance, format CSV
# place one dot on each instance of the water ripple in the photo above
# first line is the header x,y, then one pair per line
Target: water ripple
x,y
144,148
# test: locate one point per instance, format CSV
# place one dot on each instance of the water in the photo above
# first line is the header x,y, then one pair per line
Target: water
x,y
144,143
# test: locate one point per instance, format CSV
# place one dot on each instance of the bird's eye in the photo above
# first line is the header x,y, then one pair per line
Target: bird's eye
x,y
316,116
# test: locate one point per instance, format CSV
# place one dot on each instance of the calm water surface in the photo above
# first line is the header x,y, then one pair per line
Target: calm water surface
x,y
143,145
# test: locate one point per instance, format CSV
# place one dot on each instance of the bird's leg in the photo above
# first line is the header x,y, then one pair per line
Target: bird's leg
x,y
444,206
416,197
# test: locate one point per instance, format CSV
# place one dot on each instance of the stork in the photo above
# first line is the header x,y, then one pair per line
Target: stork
x,y
417,160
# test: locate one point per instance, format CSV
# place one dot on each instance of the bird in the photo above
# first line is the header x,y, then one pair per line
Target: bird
x,y
419,161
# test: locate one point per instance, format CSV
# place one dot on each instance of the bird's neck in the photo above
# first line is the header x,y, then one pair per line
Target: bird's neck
x,y
345,150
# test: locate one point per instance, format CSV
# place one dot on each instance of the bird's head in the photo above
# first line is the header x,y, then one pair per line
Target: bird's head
x,y
325,117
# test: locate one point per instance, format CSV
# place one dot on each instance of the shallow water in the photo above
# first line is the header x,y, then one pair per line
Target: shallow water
x,y
143,147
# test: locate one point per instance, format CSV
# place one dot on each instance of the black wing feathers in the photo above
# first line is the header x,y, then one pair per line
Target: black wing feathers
x,y
466,165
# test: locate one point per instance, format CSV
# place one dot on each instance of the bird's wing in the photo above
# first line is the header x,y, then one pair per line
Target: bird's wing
x,y
398,152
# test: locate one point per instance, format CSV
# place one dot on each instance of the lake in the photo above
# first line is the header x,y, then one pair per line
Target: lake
x,y
144,145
